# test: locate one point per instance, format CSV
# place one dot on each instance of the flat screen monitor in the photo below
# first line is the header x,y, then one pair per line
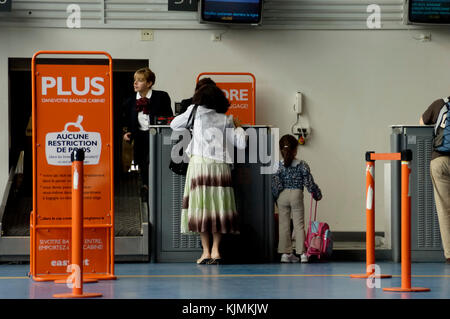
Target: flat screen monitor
x,y
429,12
231,11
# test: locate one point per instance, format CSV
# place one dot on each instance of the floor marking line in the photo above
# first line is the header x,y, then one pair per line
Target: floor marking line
x,y
240,275
261,275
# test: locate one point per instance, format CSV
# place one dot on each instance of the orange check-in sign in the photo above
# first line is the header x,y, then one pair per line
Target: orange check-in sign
x,y
71,110
241,95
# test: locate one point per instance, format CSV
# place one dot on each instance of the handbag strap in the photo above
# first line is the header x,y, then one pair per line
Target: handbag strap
x,y
190,125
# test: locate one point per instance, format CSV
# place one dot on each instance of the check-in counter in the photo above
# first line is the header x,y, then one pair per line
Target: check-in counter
x,y
252,186
426,244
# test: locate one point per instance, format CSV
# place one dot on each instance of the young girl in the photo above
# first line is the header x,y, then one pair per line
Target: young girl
x,y
287,188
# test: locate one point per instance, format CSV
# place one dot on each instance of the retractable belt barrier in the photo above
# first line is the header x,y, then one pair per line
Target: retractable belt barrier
x,y
405,157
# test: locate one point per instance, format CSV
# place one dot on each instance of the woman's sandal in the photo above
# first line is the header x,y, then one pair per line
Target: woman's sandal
x,y
215,261
203,261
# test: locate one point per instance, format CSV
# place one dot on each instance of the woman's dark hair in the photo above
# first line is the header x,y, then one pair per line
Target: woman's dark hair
x,y
288,147
212,97
204,81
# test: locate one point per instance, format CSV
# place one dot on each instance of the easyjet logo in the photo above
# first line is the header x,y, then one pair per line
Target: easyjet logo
x,y
64,263
74,85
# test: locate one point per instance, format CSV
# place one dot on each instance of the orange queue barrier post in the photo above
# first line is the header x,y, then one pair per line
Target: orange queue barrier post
x,y
406,229
76,267
370,216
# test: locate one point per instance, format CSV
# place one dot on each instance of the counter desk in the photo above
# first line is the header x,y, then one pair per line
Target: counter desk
x,y
252,186
426,244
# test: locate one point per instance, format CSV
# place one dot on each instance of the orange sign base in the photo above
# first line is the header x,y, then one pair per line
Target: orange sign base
x,y
85,281
412,289
83,295
370,275
43,278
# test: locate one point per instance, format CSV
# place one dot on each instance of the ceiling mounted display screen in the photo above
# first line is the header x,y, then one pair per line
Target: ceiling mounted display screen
x,y
231,11
429,12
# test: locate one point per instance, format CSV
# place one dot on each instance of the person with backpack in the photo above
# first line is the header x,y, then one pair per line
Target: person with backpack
x,y
288,182
437,114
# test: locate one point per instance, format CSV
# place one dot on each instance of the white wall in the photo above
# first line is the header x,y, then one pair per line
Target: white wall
x,y
355,84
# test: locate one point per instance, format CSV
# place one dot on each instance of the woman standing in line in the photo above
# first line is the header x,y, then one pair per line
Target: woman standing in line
x,y
208,201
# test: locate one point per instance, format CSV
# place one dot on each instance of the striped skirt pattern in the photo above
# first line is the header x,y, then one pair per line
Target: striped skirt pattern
x,y
208,199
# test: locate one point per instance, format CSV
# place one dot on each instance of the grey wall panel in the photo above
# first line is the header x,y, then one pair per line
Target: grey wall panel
x,y
277,14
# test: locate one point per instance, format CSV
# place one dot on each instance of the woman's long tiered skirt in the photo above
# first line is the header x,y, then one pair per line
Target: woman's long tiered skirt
x,y
208,199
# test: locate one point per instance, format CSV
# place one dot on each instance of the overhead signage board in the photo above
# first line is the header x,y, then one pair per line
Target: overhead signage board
x,y
5,5
182,5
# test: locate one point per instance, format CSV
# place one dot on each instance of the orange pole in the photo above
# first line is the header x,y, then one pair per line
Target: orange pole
x,y
406,228
370,214
77,229
77,223
111,171
370,220
33,138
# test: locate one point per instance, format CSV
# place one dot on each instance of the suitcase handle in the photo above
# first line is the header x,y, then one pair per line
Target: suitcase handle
x,y
310,211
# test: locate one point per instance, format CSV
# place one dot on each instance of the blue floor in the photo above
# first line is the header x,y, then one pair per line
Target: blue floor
x,y
249,281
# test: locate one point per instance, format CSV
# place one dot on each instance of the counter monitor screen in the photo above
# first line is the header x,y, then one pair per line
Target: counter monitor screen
x,y
429,12
231,11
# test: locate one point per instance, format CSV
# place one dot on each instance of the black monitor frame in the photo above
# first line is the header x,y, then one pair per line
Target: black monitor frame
x,y
426,21
204,19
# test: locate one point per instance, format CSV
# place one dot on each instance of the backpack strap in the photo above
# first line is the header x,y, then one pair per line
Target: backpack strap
x,y
444,110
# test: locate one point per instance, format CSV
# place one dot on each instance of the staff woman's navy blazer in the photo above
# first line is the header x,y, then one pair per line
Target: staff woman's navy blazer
x,y
159,106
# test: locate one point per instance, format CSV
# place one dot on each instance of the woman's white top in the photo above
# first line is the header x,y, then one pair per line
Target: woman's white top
x,y
214,134
143,119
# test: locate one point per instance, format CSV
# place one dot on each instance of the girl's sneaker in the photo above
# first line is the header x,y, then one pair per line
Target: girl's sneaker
x,y
304,258
289,258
